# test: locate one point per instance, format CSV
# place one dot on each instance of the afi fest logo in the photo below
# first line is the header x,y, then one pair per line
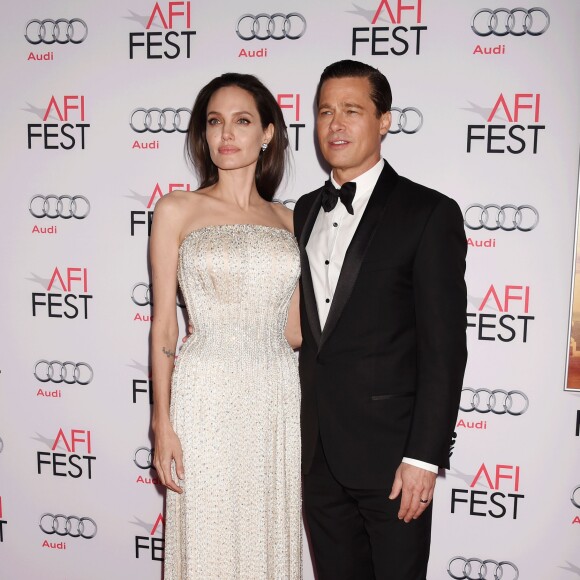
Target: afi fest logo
x,y
67,132
512,126
3,522
154,546
66,294
402,36
174,38
77,462
141,220
511,319
291,102
142,388
502,499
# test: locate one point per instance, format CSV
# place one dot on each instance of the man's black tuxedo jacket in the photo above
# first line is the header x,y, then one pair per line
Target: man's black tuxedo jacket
x,y
383,380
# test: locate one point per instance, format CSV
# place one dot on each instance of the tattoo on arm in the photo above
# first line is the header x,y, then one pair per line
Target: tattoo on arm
x,y
168,353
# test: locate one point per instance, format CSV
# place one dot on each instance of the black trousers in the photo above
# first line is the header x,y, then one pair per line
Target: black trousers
x,y
355,533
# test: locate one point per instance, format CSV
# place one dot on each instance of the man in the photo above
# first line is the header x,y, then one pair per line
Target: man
x,y
383,304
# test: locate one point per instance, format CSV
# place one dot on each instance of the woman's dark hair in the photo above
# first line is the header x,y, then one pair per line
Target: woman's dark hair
x,y
271,163
380,95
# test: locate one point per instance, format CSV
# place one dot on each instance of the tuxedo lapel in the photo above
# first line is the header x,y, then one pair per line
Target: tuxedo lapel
x,y
357,248
307,286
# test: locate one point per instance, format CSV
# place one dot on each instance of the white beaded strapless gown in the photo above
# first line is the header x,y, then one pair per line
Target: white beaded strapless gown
x,y
235,405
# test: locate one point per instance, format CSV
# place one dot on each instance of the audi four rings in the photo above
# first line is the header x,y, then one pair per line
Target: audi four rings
x,y
497,401
476,569
502,22
141,294
72,526
143,458
156,120
63,206
275,26
403,119
61,31
63,372
575,498
507,217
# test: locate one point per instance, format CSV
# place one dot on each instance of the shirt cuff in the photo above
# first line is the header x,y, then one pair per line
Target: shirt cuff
x,y
421,464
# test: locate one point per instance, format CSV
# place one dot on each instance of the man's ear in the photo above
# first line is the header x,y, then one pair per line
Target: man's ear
x,y
385,122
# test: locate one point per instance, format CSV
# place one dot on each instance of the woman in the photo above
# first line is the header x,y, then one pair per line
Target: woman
x,y
226,423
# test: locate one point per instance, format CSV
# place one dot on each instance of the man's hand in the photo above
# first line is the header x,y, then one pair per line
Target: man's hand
x,y
416,484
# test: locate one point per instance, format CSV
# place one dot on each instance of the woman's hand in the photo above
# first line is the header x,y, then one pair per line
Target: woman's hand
x,y
168,449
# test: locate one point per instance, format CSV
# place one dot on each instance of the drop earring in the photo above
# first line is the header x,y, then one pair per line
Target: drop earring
x,y
264,146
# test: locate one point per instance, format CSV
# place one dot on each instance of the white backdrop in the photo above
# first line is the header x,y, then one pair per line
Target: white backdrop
x,y
500,123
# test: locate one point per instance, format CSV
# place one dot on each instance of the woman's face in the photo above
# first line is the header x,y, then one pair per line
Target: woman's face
x,y
234,129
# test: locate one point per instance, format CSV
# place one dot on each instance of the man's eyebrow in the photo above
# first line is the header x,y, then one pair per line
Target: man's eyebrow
x,y
345,105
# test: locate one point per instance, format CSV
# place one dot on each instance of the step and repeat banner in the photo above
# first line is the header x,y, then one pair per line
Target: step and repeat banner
x,y
96,98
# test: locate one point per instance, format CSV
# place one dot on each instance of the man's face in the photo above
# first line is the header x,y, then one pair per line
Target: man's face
x,y
349,131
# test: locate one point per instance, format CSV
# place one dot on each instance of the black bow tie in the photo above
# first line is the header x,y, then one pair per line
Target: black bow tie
x,y
331,195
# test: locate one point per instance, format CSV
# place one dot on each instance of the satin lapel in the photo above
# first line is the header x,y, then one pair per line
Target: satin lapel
x,y
307,286
356,251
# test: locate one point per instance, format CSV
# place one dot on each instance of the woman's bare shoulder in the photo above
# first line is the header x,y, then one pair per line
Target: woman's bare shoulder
x,y
180,202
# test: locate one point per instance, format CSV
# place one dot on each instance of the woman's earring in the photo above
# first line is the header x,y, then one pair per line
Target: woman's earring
x,y
264,146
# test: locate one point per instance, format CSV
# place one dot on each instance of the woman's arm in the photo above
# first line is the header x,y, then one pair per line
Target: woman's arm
x,y
293,333
163,253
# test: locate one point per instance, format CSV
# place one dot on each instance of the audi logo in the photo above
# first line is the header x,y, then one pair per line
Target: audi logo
x,y
276,26
289,203
143,458
509,23
497,401
507,217
409,115
61,31
142,295
72,526
475,569
156,120
575,497
63,372
63,206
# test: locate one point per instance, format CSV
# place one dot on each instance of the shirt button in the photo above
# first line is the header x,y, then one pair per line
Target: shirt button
x,y
327,300
326,262
335,225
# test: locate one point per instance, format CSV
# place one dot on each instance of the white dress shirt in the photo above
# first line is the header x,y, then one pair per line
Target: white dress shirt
x,y
330,238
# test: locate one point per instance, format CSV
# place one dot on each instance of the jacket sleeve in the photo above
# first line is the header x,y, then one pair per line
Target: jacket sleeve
x,y
300,213
440,309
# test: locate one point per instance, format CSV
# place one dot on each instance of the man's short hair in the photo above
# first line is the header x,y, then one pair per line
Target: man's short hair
x,y
380,88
